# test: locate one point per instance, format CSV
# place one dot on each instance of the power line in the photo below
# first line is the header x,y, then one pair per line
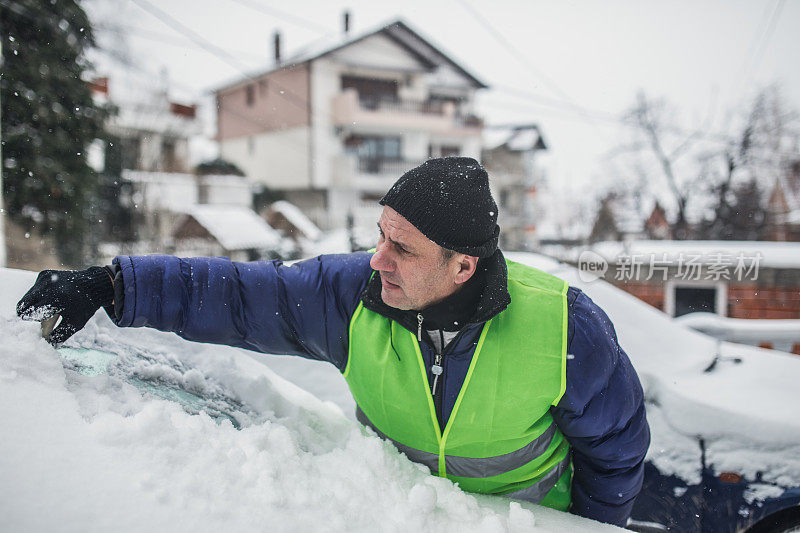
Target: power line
x,y
198,39
201,41
211,48
288,17
605,117
520,57
554,103
123,30
762,47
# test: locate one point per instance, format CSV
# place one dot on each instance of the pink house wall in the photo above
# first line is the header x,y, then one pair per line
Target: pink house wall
x,y
281,100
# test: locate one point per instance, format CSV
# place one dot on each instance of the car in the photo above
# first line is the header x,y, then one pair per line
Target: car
x,y
725,450
132,429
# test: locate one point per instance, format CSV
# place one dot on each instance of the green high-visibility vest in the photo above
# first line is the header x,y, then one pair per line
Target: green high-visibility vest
x,y
500,437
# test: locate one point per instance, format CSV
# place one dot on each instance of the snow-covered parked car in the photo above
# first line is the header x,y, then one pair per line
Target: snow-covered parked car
x,y
90,442
725,451
138,430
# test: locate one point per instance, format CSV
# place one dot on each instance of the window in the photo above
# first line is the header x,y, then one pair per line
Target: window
x,y
169,156
450,151
371,91
250,95
376,155
441,150
694,299
374,147
684,298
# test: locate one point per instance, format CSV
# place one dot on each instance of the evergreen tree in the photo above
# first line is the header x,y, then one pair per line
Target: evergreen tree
x,y
218,166
48,120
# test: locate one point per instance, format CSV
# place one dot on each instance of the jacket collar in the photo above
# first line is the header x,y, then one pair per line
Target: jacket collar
x,y
491,295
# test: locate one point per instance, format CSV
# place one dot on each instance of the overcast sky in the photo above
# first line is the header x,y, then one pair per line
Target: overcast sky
x,y
570,66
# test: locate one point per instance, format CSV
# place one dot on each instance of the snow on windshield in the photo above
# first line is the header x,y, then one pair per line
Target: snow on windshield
x,y
91,444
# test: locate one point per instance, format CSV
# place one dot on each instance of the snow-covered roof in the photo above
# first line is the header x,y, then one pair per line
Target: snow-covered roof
x,y
398,30
224,179
173,191
297,218
146,176
515,138
770,254
235,227
742,329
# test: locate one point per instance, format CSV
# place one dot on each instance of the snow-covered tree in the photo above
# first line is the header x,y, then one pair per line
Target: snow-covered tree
x,y
715,181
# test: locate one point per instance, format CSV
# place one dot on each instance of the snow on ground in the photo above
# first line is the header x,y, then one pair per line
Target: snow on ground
x,y
95,453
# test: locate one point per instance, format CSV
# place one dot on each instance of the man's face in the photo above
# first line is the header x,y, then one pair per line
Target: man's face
x,y
413,272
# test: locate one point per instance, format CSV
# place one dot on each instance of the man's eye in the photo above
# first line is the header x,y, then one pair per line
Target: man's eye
x,y
401,251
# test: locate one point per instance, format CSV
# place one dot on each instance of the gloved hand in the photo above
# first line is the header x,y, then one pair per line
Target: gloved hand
x,y
74,294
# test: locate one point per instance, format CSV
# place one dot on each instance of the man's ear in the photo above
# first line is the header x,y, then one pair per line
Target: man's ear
x,y
467,265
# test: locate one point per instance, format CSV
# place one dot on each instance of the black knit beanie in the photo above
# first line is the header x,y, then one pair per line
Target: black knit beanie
x,y
449,201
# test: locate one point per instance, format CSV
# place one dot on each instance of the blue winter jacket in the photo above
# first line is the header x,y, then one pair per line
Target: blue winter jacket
x,y
305,309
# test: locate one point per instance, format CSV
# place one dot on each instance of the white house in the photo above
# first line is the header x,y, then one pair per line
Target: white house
x,y
332,128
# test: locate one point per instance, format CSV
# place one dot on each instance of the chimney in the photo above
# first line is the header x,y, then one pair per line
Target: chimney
x,y
277,41
99,85
346,21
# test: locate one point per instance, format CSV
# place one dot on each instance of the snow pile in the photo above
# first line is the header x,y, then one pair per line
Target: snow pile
x,y
93,453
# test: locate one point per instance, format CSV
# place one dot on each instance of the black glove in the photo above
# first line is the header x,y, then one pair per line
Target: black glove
x,y
74,294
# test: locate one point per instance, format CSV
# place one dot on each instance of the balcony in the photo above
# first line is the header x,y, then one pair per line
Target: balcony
x,y
373,175
392,114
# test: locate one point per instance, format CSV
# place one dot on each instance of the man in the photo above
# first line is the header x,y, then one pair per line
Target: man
x,y
457,356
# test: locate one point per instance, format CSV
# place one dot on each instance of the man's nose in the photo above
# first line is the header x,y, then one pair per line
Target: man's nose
x,y
380,259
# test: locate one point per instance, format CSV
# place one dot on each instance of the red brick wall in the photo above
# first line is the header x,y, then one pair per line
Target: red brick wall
x,y
281,100
651,293
744,301
763,302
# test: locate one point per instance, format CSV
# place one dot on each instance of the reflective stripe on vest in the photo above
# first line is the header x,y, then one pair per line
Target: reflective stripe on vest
x,y
500,437
537,492
471,466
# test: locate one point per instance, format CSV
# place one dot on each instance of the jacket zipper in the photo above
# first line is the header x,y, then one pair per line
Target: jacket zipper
x,y
437,369
438,395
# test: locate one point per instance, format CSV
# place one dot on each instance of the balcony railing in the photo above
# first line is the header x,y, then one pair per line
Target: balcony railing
x,y
430,115
384,166
401,106
468,121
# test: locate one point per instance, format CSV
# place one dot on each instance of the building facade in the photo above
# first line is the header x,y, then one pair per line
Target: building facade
x,y
516,178
332,129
